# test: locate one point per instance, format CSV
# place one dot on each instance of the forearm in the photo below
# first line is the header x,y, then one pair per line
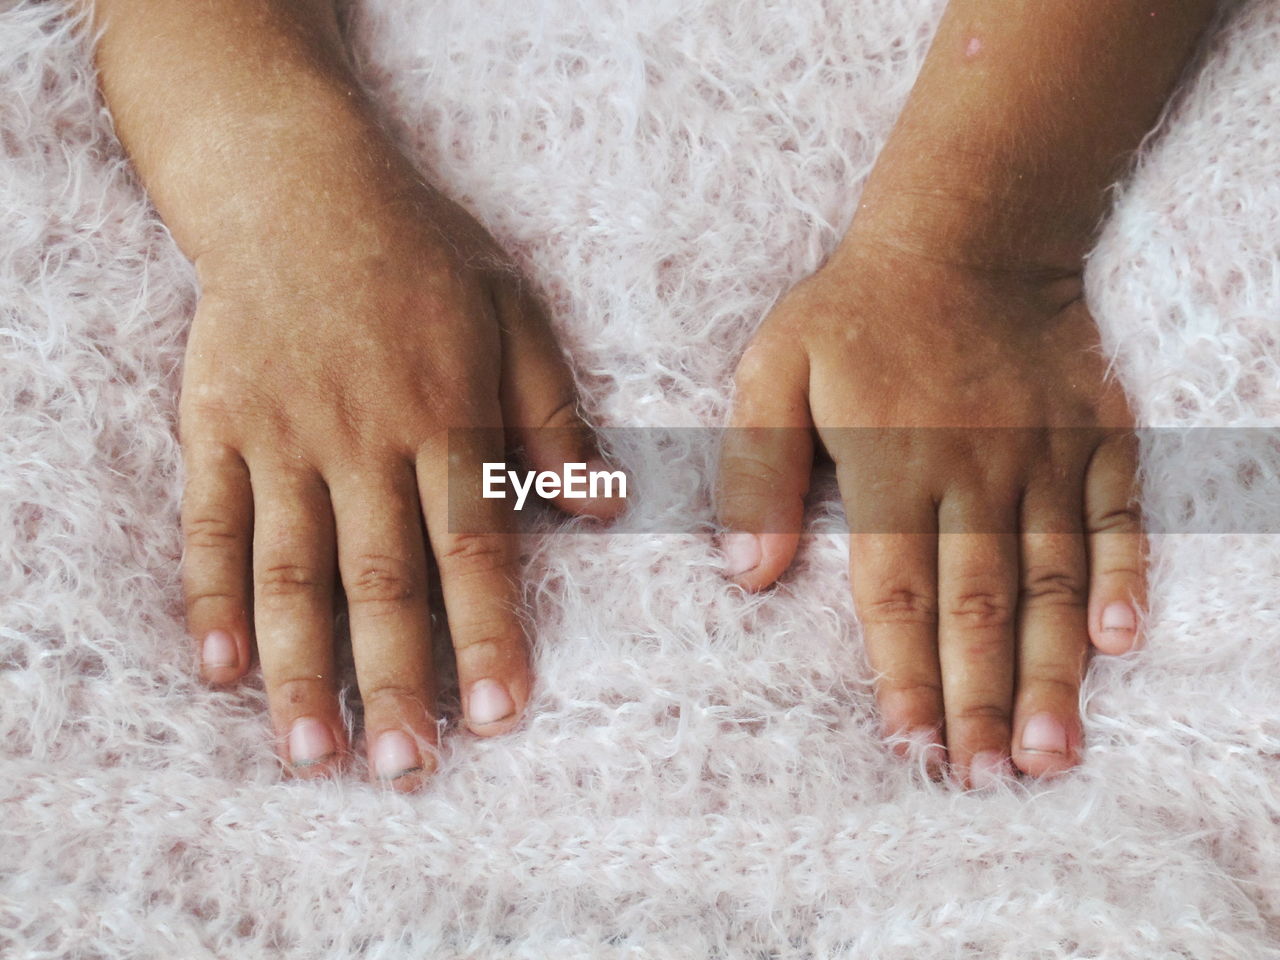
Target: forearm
x,y
1024,113
217,101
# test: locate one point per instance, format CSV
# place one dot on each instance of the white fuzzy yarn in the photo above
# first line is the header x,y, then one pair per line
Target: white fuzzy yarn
x,y
701,776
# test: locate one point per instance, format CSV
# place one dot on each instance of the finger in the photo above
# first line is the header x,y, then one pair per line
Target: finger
x,y
765,463
293,561
383,564
1117,565
540,401
895,594
217,524
977,588
1053,631
475,551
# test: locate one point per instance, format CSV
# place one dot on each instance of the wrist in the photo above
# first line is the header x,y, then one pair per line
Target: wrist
x,y
955,229
1021,117
231,113
262,176
989,210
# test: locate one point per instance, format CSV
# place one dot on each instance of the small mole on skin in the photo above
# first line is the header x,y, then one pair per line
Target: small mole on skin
x,y
973,48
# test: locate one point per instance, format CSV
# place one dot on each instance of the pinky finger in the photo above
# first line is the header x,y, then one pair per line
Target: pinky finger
x,y
1117,546
217,520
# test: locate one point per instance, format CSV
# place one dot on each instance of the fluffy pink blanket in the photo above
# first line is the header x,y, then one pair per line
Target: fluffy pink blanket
x,y
701,775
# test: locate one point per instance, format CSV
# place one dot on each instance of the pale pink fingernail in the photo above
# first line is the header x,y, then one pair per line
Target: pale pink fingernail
x,y
310,742
741,553
1119,618
219,650
1044,733
396,755
489,702
987,767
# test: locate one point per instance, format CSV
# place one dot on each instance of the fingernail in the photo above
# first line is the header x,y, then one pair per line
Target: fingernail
x,y
396,755
1044,733
310,742
987,767
1119,617
489,702
741,553
219,650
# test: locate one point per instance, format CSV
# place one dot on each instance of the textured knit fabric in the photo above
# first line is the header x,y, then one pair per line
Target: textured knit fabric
x,y
700,775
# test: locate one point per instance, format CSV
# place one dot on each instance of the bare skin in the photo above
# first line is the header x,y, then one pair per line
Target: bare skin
x,y
955,301
349,316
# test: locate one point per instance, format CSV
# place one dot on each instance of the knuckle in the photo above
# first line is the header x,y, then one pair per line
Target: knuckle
x,y
901,605
1118,571
488,645
981,610
206,530
394,693
1053,587
473,553
380,579
198,597
746,466
988,714
1124,520
911,688
1063,686
986,646
745,506
358,422
921,699
746,480
213,533
283,580
212,409
564,414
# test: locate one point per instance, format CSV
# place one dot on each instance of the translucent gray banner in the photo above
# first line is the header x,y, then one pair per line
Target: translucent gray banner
x,y
868,480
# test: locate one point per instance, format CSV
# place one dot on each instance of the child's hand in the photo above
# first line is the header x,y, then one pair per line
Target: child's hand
x,y
954,302
349,317
326,360
985,630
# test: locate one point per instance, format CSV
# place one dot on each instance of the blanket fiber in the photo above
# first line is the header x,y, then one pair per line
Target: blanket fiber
x,y
701,775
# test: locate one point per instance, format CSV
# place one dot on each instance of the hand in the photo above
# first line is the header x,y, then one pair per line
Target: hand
x,y
333,347
978,638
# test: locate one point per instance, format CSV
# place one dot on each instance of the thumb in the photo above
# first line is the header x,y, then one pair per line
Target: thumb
x,y
765,462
